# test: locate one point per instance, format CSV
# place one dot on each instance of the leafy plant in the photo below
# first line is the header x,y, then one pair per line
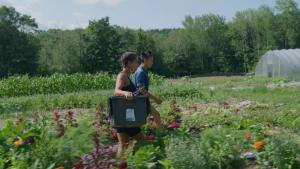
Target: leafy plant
x,y
281,151
185,153
145,157
102,157
26,144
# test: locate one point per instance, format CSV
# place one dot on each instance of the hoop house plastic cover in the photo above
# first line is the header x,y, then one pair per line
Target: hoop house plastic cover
x,y
280,63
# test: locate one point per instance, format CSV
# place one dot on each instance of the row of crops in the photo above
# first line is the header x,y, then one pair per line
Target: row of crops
x,y
60,83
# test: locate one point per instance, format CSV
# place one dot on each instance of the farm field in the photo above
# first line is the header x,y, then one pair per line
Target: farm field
x,y
207,64
212,123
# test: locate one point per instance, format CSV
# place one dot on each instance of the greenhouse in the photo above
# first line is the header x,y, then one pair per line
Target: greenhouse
x,y
280,63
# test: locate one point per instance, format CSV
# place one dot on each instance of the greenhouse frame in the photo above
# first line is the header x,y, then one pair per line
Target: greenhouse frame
x,y
280,63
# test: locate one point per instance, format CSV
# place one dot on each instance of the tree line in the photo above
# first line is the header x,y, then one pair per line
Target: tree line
x,y
205,44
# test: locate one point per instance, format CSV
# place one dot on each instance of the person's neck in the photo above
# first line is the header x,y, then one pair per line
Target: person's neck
x,y
127,71
145,67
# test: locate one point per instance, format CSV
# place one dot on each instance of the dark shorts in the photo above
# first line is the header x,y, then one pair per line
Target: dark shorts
x,y
131,132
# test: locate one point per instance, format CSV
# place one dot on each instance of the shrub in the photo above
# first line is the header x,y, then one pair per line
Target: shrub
x,y
186,153
222,147
181,91
146,156
281,151
25,144
216,148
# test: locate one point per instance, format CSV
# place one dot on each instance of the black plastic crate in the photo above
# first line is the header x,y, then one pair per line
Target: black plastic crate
x,y
128,113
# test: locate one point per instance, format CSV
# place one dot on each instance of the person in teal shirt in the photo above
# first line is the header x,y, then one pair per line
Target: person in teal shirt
x,y
141,81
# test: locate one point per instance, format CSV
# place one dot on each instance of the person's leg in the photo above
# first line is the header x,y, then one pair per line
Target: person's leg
x,y
156,116
123,141
139,136
143,137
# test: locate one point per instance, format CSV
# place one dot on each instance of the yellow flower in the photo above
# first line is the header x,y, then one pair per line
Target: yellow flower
x,y
259,145
19,142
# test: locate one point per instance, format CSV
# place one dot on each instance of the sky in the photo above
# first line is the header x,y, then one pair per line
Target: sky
x,y
145,14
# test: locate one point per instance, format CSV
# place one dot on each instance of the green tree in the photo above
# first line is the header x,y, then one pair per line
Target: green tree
x,y
61,51
18,45
287,24
128,39
251,34
22,22
103,47
205,44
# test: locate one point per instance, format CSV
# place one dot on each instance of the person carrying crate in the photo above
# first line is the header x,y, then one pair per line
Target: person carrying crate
x,y
125,88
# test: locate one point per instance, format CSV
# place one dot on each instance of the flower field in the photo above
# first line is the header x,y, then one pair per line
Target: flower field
x,y
211,123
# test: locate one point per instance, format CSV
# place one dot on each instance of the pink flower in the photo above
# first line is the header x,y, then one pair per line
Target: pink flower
x,y
173,125
248,136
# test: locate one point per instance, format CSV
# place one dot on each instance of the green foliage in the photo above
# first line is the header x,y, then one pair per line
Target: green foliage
x,y
22,22
205,44
281,152
75,142
18,46
57,83
251,36
102,51
60,83
156,79
180,91
210,117
56,101
216,148
185,153
61,51
145,157
26,145
223,148
212,136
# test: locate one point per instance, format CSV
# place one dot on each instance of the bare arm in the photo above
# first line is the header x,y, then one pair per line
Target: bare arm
x,y
121,80
152,97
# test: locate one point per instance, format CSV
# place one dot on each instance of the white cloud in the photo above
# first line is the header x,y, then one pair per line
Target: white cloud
x,y
109,3
29,7
24,6
60,24
34,8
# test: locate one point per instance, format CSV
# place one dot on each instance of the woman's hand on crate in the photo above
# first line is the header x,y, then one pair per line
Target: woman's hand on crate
x,y
143,91
129,95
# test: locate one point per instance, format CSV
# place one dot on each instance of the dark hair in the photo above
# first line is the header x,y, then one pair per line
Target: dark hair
x,y
145,55
128,57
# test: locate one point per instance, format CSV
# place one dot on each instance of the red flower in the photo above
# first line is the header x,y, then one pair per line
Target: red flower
x,y
149,138
122,165
248,136
78,165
